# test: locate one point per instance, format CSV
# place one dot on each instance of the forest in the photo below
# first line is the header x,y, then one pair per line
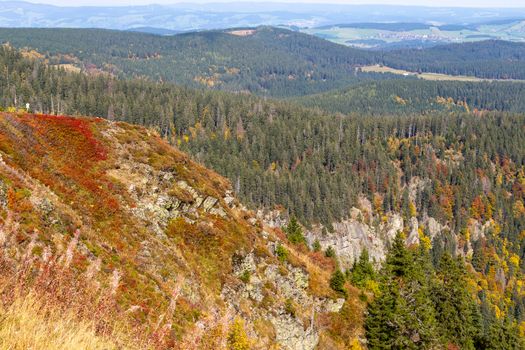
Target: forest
x,y
489,59
468,156
265,61
419,96
270,61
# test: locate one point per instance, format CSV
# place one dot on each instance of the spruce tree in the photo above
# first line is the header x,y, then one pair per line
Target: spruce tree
x,y
362,271
453,303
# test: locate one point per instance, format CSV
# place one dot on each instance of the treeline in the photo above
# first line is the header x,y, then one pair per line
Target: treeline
x,y
420,96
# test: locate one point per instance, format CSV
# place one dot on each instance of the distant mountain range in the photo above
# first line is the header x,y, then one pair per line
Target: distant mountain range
x,y
183,17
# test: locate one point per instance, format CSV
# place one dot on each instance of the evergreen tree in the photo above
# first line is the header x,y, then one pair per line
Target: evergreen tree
x,y
399,258
337,282
453,303
402,315
294,232
362,271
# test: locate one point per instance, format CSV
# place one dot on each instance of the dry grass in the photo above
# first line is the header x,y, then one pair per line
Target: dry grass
x,y
29,323
45,304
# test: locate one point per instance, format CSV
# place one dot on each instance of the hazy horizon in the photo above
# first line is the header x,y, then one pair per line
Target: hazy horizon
x,y
426,3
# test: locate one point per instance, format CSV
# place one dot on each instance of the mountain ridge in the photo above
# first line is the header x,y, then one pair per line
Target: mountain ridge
x,y
155,231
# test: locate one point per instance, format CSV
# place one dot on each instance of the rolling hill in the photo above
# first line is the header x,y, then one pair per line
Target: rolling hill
x,y
487,59
185,16
266,61
395,34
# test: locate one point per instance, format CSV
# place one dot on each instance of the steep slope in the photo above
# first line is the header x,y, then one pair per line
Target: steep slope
x,y
419,96
109,221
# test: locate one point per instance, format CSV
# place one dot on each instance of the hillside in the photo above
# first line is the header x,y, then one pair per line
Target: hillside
x,y
106,216
486,59
134,242
413,218
263,60
419,96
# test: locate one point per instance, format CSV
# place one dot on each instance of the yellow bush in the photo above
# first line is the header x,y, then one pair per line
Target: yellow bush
x,y
355,345
237,338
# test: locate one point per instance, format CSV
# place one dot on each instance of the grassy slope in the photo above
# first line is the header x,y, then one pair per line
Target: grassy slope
x,y
78,216
28,323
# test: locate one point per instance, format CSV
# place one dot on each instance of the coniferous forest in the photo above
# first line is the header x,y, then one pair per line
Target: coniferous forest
x,y
450,151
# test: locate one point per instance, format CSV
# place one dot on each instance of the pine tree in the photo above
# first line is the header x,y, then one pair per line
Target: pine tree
x,y
294,232
380,323
362,271
337,282
399,259
316,246
453,303
402,315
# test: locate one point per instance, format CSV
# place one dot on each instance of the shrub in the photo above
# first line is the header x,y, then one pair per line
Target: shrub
x,y
245,277
337,282
237,338
281,252
330,252
289,307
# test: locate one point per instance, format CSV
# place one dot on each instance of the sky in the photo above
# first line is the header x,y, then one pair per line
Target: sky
x,y
440,3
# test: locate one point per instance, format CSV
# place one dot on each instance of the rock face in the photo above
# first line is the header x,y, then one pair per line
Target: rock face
x,y
413,236
272,218
291,334
351,236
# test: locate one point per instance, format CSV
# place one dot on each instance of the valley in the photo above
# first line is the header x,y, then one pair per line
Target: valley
x,y
395,35
256,187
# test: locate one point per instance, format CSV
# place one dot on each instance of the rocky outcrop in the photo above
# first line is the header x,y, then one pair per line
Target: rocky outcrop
x,y
479,230
159,197
271,289
292,335
413,236
433,227
272,218
351,236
